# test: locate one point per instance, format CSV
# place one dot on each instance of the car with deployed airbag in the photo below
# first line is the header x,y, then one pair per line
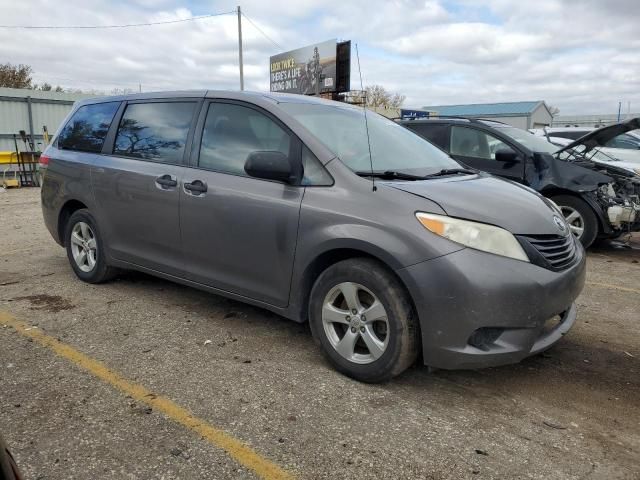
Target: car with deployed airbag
x,y
318,211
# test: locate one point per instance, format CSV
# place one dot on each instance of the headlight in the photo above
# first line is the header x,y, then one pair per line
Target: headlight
x,y
475,235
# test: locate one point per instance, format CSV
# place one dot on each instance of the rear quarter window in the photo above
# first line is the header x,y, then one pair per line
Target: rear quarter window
x,y
87,128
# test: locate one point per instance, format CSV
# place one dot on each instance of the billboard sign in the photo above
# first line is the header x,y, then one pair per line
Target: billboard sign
x,y
407,114
309,70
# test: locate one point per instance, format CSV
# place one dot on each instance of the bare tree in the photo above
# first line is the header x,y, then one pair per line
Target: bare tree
x,y
378,96
122,91
15,76
133,142
47,87
553,110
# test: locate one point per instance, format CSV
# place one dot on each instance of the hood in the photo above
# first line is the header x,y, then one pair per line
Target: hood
x,y
598,138
578,175
488,199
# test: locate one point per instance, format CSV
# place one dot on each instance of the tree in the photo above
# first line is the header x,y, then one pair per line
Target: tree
x,y
15,76
122,91
133,142
47,87
378,96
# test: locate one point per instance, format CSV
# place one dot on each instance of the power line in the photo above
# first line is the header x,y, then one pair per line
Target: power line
x,y
127,25
262,32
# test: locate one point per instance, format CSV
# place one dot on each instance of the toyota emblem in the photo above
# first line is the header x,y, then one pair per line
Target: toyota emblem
x,y
560,223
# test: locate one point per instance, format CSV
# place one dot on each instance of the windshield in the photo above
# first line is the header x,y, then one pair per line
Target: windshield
x,y
342,130
579,151
624,141
535,143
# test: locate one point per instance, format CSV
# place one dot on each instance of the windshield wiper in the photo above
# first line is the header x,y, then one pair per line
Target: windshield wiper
x,y
451,171
389,174
394,174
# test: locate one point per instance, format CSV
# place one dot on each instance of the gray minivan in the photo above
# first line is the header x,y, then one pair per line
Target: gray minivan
x,y
318,212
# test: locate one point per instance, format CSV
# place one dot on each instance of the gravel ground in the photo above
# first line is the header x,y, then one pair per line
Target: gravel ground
x,y
573,412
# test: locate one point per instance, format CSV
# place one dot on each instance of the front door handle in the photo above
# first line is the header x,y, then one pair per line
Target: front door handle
x,y
196,187
167,181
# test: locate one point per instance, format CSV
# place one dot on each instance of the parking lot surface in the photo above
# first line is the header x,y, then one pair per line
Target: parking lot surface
x,y
256,379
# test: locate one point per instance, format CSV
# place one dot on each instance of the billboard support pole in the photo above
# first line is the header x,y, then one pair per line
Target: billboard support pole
x,y
240,48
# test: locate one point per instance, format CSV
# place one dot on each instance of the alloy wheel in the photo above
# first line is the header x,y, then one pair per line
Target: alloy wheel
x,y
84,246
574,220
355,323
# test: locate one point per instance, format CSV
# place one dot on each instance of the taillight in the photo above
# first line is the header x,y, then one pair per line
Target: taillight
x,y
44,160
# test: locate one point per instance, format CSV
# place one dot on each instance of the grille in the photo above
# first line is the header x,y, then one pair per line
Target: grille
x,y
550,251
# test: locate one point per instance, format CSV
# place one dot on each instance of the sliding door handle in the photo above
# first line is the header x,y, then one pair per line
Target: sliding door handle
x,y
167,181
196,187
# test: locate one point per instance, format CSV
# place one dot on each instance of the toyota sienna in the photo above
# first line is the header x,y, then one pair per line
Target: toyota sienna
x,y
318,211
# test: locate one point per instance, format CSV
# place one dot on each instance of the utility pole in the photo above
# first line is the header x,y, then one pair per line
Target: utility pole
x,y
240,47
619,109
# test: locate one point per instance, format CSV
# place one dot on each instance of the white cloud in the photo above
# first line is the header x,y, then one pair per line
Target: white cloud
x,y
579,55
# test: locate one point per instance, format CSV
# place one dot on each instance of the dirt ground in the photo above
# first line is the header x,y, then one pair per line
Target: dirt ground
x,y
573,412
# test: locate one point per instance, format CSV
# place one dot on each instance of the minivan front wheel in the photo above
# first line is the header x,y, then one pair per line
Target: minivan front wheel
x,y
364,321
580,217
85,249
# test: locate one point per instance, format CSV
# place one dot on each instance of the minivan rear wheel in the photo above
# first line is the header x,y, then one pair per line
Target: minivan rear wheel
x,y
580,217
364,320
8,468
85,248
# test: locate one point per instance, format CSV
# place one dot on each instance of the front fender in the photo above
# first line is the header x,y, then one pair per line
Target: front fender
x,y
388,248
322,247
603,220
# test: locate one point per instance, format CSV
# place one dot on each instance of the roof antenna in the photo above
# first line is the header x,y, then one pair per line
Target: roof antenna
x,y
366,124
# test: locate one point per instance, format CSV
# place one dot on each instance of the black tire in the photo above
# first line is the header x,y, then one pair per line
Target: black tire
x,y
8,468
589,219
100,272
402,328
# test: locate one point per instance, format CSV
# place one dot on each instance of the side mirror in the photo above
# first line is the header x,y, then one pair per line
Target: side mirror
x,y
506,155
269,166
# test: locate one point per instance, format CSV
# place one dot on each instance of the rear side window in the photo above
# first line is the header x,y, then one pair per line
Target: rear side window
x,y
88,127
154,131
232,132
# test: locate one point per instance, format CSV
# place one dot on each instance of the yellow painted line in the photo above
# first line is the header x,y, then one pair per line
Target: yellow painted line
x,y
236,449
613,287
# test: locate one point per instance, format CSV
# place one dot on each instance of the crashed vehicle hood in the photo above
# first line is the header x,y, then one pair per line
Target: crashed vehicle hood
x,y
487,199
599,138
551,172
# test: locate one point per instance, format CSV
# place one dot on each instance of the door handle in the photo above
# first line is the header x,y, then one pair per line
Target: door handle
x,y
196,187
167,181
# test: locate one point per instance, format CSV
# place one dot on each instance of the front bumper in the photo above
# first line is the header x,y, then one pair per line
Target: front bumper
x,y
482,310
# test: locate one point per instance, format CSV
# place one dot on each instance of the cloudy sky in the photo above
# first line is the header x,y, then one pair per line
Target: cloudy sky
x,y
582,56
